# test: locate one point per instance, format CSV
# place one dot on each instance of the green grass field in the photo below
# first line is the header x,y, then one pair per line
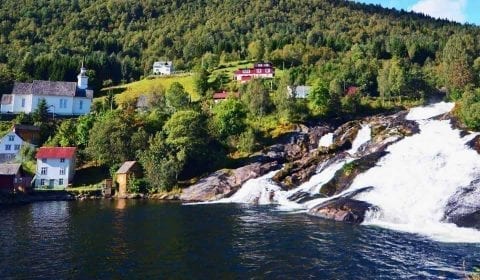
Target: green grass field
x,y
221,77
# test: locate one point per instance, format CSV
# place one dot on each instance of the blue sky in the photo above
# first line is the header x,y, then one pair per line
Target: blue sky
x,y
456,10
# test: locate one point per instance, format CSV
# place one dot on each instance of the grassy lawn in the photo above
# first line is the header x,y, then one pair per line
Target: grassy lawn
x,y
224,72
131,91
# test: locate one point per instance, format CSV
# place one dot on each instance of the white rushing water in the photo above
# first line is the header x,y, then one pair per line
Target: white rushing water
x,y
326,140
363,136
412,183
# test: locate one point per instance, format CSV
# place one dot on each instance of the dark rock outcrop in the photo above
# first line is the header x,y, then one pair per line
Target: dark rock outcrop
x,y
475,143
463,208
344,177
223,183
344,208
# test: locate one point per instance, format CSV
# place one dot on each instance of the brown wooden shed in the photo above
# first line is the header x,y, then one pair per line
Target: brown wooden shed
x,y
124,174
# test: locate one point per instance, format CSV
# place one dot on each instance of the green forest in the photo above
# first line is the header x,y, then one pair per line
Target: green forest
x,y
394,58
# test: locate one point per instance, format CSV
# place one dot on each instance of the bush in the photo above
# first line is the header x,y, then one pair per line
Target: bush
x,y
247,142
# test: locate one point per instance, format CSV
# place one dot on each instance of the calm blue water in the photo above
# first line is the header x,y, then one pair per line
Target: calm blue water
x,y
152,240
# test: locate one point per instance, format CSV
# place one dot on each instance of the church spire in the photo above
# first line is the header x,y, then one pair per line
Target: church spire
x,y
82,78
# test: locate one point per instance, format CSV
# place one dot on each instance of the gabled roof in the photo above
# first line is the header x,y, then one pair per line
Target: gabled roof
x,y
50,88
162,63
126,166
10,168
56,152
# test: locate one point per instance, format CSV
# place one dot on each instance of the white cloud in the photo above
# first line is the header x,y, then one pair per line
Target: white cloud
x,y
449,9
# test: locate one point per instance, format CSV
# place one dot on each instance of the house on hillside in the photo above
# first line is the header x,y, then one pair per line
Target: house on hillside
x,y
55,167
10,146
352,90
298,91
222,95
163,68
13,179
260,70
124,174
63,98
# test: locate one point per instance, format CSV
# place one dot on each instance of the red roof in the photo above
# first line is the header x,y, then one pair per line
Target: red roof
x,y
56,152
351,90
223,95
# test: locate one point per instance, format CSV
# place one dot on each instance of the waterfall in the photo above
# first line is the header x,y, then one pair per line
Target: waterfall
x,y
363,136
413,183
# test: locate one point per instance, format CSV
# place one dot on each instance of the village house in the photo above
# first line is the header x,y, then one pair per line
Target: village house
x,y
13,178
298,91
260,70
55,167
163,68
124,174
63,98
222,95
10,146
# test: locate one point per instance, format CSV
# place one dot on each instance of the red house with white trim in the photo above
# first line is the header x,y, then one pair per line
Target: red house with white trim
x,y
260,70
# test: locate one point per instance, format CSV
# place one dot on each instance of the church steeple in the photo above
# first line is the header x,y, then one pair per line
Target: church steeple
x,y
82,78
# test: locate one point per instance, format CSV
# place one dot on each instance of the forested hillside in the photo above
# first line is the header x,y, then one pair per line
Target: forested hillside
x,y
358,59
120,39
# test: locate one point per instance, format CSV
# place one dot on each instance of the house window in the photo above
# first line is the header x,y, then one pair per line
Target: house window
x,y
80,105
11,138
42,182
23,102
8,147
267,70
62,160
60,182
62,171
44,160
43,171
16,147
63,103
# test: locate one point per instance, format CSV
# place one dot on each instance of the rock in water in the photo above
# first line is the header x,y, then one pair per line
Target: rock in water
x,y
463,208
225,182
344,208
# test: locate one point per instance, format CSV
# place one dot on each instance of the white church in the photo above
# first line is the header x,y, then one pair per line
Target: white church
x,y
63,98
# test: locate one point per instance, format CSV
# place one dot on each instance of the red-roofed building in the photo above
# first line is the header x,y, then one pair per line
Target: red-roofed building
x,y
55,167
222,95
351,90
262,70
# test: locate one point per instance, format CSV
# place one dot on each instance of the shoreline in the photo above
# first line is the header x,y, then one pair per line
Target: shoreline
x,y
23,199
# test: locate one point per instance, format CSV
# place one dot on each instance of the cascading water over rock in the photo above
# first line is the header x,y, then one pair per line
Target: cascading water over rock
x,y
408,188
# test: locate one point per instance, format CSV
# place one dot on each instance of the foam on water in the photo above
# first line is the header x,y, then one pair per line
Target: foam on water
x,y
363,136
430,111
326,140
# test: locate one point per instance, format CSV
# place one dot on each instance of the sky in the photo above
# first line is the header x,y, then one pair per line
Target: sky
x,y
464,11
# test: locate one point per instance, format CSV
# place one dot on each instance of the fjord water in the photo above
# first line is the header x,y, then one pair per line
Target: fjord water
x,y
151,240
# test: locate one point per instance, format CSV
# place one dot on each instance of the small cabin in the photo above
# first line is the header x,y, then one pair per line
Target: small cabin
x,y
13,179
125,173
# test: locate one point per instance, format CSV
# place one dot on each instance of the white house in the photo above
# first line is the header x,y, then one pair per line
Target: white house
x,y
10,146
163,67
55,167
298,91
63,98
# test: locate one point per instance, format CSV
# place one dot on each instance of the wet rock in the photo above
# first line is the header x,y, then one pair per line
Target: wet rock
x,y
344,177
475,143
463,208
344,208
225,182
